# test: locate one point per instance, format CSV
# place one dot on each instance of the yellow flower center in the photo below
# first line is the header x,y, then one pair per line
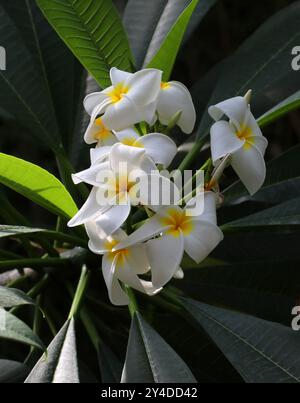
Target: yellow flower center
x,y
246,134
121,254
178,221
133,142
165,85
103,132
118,93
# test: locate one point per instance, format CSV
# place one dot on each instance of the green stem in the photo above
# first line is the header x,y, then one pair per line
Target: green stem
x,y
133,306
80,292
73,240
90,328
32,262
192,154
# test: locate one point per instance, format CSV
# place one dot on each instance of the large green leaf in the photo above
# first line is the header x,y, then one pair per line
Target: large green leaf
x,y
147,34
289,104
284,215
263,64
10,297
94,33
261,351
165,57
23,92
282,181
12,371
60,365
150,359
12,328
36,184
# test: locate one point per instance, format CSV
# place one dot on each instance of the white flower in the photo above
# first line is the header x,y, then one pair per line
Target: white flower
x,y
159,147
118,183
175,97
123,265
240,137
176,232
131,99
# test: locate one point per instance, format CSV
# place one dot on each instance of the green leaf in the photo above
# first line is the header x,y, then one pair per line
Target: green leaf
x,y
289,104
12,371
36,184
12,328
10,297
282,181
110,366
284,215
60,365
13,230
93,32
146,35
23,92
165,57
150,359
263,64
261,351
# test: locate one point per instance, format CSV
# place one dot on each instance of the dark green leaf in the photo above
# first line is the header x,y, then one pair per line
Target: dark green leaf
x,y
147,34
282,181
263,64
12,371
165,57
23,92
37,185
110,366
94,33
60,365
10,297
150,359
12,328
261,351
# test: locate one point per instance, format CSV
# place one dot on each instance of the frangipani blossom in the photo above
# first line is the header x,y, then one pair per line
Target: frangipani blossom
x,y
241,138
173,98
123,265
131,99
118,184
174,231
159,147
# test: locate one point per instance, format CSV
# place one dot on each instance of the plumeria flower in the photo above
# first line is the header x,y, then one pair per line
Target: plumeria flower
x,y
242,139
131,99
124,265
174,97
159,147
118,183
174,231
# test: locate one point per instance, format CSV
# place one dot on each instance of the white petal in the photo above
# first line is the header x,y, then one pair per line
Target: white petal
x,y
96,244
112,219
92,100
159,147
173,98
120,154
261,143
138,259
204,238
207,211
122,114
236,109
144,86
153,227
165,255
179,275
249,164
127,134
99,154
149,113
90,175
116,294
223,140
88,211
118,76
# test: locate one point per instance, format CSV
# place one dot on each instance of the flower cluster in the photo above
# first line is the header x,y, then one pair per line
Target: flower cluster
x,y
129,125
